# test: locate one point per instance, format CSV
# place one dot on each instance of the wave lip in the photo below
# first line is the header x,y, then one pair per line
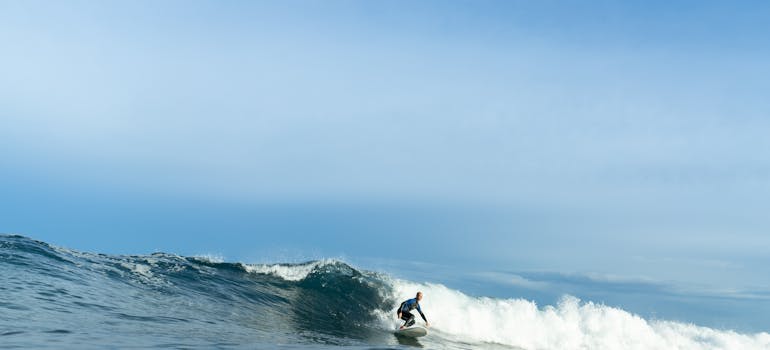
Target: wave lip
x,y
289,272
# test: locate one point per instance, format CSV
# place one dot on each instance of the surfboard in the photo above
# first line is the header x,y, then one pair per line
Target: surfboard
x,y
414,331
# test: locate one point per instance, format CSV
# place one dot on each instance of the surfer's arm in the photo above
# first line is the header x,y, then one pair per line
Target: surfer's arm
x,y
421,314
401,307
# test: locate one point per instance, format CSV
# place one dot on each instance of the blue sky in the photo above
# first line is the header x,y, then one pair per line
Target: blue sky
x,y
610,136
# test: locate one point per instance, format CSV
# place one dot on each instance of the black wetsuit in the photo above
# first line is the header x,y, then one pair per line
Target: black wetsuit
x,y
407,316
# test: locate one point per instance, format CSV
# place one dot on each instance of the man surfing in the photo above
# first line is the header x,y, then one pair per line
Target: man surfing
x,y
409,305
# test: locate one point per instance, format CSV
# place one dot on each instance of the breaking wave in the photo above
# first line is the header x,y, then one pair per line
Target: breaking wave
x,y
163,300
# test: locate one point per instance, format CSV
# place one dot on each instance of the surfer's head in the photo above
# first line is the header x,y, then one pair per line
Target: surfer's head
x,y
419,296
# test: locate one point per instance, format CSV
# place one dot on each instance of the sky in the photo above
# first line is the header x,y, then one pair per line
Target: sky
x,y
608,137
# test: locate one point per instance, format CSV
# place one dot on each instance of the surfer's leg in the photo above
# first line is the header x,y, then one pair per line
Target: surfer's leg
x,y
406,316
409,320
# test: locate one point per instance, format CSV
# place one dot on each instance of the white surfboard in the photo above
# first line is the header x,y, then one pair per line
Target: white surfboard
x,y
414,331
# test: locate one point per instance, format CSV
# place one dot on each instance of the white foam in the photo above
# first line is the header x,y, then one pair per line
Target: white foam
x,y
138,269
210,258
143,272
571,324
296,272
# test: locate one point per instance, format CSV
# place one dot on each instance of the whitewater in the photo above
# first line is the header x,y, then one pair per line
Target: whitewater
x,y
55,298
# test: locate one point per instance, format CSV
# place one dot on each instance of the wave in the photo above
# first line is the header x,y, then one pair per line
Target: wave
x,y
316,302
571,324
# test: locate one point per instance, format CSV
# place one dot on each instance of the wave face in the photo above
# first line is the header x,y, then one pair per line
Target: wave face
x,y
55,297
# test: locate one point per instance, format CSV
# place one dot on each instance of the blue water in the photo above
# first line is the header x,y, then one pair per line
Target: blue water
x,y
59,298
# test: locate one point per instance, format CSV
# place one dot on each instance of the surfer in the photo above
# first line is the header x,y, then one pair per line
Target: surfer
x,y
409,305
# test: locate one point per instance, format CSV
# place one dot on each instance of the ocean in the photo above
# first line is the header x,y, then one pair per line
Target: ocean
x,y
58,298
